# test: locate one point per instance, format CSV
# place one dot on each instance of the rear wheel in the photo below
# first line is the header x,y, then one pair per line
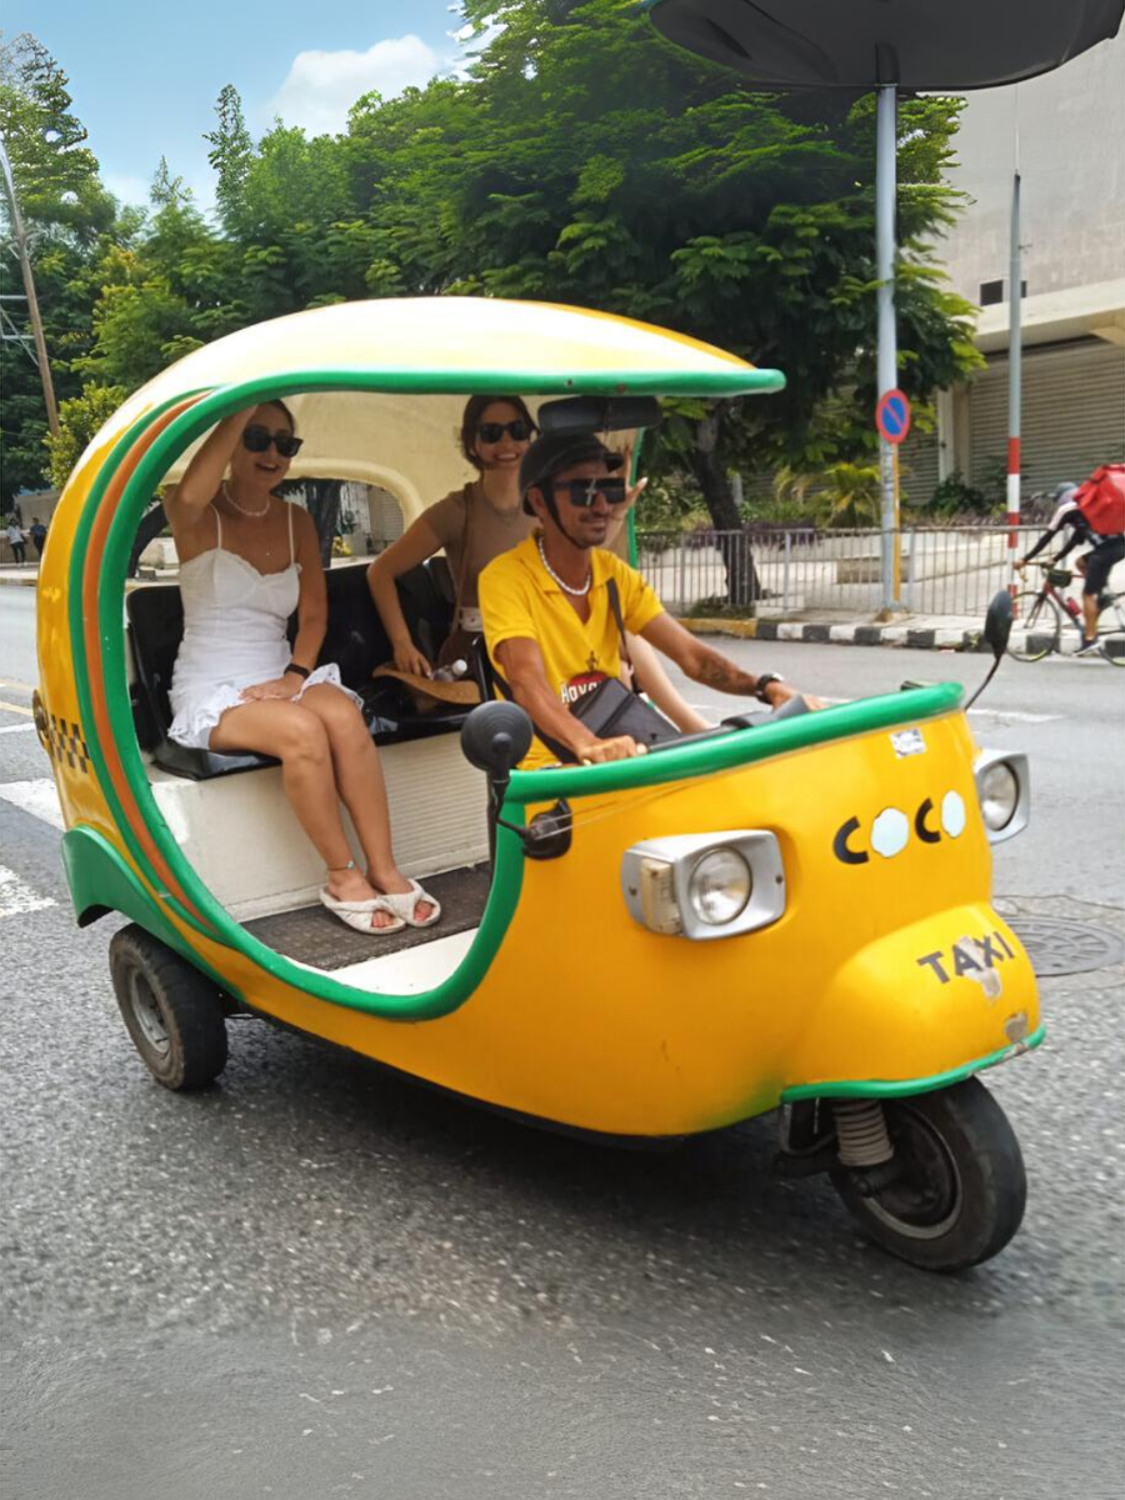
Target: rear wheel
x,y
1111,631
960,1191
1037,626
172,1013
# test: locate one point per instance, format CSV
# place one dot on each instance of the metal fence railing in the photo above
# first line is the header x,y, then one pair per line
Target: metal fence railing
x,y
791,570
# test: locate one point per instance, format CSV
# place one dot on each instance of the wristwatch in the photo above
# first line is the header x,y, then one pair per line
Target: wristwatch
x,y
764,680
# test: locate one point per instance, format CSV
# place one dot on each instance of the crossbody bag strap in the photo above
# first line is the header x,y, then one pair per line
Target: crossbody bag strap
x,y
463,570
615,605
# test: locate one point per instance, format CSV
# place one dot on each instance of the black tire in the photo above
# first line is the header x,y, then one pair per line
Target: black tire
x,y
1039,623
962,1194
1111,631
172,1012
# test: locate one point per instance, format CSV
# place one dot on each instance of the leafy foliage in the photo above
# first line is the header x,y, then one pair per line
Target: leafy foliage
x,y
583,160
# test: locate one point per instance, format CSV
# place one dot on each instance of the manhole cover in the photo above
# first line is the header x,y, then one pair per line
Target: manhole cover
x,y
1056,946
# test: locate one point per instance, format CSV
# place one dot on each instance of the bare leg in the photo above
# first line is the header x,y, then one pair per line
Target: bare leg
x,y
300,741
1090,616
363,791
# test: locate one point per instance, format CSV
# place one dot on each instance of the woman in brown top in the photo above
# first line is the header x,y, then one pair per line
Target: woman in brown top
x,y
488,514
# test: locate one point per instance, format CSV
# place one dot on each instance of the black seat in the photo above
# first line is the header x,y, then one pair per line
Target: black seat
x,y
355,640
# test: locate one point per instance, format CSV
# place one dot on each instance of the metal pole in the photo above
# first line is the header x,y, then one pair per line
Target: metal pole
x,y
1015,349
32,301
887,369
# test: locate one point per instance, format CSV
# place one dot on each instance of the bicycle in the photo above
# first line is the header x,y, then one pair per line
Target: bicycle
x,y
1039,615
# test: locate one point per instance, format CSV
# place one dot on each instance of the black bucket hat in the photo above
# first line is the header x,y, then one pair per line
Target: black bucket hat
x,y
550,455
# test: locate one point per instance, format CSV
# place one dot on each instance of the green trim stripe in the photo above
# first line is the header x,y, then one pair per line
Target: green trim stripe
x,y
875,1088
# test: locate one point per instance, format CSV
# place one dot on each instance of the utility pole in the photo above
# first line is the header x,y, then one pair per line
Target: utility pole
x,y
886,119
1015,354
20,238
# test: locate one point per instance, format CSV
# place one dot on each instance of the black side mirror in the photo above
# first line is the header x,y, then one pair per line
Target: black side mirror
x,y
998,623
495,738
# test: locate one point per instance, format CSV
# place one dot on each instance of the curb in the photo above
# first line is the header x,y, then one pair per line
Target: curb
x,y
932,638
29,581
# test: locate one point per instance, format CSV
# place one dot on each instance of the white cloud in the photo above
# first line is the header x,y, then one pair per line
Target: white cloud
x,y
323,86
127,189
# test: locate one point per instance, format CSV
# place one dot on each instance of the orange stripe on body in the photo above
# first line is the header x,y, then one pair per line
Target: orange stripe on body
x,y
99,533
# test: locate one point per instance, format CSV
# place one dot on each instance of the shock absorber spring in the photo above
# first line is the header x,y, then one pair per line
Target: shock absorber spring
x,y
861,1132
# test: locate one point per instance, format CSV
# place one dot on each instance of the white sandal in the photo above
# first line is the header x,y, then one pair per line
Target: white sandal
x,y
403,904
357,914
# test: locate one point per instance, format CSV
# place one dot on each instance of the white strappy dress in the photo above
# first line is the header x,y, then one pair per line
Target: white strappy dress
x,y
235,621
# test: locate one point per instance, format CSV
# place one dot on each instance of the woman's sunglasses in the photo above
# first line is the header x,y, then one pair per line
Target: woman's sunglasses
x,y
491,432
583,492
258,439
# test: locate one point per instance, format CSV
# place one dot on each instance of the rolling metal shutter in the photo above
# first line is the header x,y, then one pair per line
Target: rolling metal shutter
x,y
918,467
1073,414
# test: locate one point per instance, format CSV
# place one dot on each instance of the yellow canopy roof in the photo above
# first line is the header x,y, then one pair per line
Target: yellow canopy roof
x,y
417,359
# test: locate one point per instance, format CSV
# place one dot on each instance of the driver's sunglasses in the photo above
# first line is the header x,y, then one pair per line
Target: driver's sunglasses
x,y
258,439
491,432
583,492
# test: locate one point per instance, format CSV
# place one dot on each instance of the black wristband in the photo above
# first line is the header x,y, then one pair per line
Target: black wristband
x,y
765,680
295,666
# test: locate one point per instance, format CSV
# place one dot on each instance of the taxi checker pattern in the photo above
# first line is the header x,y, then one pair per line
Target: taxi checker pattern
x,y
66,745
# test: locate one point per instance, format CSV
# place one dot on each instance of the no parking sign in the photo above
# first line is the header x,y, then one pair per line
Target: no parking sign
x,y
892,416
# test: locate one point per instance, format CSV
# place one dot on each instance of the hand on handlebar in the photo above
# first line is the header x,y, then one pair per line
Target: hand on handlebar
x,y
621,747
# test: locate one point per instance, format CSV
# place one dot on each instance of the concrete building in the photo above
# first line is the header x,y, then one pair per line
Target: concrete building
x,y
1070,129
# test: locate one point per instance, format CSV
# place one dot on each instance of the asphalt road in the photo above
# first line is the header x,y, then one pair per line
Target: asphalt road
x,y
315,1280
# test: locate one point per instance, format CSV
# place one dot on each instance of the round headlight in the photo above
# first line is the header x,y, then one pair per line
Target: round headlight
x,y
720,886
999,795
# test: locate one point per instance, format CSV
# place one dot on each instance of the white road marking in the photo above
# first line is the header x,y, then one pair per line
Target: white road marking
x,y
17,729
14,708
16,897
39,798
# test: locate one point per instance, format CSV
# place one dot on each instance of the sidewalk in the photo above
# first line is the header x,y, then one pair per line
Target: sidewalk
x,y
918,632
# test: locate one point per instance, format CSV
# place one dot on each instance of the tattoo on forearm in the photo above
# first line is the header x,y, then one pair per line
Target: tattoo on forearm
x,y
718,673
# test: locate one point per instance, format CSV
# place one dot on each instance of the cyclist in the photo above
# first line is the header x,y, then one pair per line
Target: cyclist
x,y
1095,566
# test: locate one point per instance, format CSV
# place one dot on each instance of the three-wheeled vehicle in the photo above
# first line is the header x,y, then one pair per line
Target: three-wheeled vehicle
x,y
788,915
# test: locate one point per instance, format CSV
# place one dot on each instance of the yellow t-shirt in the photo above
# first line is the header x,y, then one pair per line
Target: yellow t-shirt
x,y
520,599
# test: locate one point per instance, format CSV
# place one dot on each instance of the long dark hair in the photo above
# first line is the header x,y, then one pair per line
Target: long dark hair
x,y
475,408
288,414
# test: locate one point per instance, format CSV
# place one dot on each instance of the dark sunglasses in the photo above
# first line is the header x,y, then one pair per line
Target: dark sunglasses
x,y
491,432
258,439
583,492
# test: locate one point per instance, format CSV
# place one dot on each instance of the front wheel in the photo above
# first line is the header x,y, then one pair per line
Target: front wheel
x,y
1037,626
172,1013
960,1191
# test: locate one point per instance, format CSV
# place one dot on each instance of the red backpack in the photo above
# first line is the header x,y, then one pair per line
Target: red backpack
x,y
1102,500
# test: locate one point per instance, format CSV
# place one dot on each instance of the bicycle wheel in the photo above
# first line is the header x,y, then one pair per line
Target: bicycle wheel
x,y
1111,631
1036,626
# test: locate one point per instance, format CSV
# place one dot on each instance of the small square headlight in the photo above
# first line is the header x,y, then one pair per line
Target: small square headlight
x,y
705,885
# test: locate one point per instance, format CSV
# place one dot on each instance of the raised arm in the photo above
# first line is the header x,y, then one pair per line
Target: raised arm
x,y
412,548
186,503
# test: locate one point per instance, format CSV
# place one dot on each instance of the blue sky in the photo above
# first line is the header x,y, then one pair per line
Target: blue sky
x,y
145,75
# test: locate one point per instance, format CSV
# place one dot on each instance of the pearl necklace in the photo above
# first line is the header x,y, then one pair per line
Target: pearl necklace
x,y
566,588
241,509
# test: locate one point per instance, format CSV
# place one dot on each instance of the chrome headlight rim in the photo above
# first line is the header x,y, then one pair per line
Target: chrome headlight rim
x,y
998,803
740,871
675,859
1015,763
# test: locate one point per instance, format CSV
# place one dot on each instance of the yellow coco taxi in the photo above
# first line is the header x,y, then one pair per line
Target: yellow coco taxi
x,y
789,915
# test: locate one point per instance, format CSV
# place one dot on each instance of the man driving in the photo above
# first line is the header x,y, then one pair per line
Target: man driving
x,y
549,620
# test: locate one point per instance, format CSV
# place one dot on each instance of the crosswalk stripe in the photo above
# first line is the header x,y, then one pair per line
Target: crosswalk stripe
x,y
39,798
15,708
17,898
17,728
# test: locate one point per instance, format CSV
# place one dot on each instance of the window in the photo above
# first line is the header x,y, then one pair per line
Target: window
x,y
993,292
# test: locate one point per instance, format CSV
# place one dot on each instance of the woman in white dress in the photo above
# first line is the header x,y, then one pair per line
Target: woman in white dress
x,y
247,561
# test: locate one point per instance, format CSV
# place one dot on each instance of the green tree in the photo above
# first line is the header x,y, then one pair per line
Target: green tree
x,y
67,215
79,421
